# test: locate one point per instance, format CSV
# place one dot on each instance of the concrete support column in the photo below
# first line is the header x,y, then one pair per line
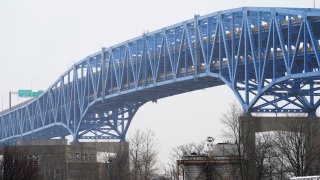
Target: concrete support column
x,y
248,139
250,125
313,144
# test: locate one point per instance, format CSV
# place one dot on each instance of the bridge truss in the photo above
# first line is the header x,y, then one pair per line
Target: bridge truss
x,y
269,57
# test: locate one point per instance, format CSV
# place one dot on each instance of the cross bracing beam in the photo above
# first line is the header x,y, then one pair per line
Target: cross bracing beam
x,y
269,57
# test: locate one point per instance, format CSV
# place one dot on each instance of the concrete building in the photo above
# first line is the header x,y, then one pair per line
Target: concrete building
x,y
58,160
220,161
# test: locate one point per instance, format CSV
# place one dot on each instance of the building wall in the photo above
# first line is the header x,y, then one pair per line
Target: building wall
x,y
78,161
210,169
220,161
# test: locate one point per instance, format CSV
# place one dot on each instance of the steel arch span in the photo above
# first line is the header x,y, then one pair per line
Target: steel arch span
x,y
269,57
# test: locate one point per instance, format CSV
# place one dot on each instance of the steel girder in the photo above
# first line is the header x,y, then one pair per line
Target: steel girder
x,y
269,57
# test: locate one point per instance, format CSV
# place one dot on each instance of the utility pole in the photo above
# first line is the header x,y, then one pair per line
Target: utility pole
x,y
10,94
9,99
31,85
2,101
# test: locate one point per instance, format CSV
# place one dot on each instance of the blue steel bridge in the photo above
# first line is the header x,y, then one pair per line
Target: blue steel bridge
x,y
268,57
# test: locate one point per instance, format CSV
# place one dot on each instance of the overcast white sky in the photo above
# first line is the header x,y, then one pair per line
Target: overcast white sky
x,y
39,39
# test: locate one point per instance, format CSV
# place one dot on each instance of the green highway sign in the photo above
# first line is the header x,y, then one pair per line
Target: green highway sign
x,y
24,93
29,93
37,93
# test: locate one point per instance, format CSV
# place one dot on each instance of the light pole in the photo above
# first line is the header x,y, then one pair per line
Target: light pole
x,y
2,101
31,83
2,97
9,99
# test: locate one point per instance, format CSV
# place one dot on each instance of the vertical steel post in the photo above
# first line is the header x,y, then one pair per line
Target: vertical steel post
x,y
144,58
274,55
289,44
246,64
260,82
9,99
232,79
196,47
103,70
305,46
220,44
164,53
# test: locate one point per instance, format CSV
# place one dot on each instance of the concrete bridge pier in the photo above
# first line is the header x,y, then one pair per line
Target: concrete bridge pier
x,y
249,126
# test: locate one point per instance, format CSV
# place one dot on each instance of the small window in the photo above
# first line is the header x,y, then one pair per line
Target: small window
x,y
77,155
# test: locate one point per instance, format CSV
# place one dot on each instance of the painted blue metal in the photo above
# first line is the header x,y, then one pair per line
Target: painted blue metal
x,y
269,57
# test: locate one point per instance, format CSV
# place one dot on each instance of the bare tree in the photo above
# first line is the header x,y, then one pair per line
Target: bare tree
x,y
177,153
264,157
233,132
169,170
143,154
19,163
299,146
114,163
258,149
275,164
114,159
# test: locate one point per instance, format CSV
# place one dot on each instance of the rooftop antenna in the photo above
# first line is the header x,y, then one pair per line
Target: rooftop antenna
x,y
314,3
